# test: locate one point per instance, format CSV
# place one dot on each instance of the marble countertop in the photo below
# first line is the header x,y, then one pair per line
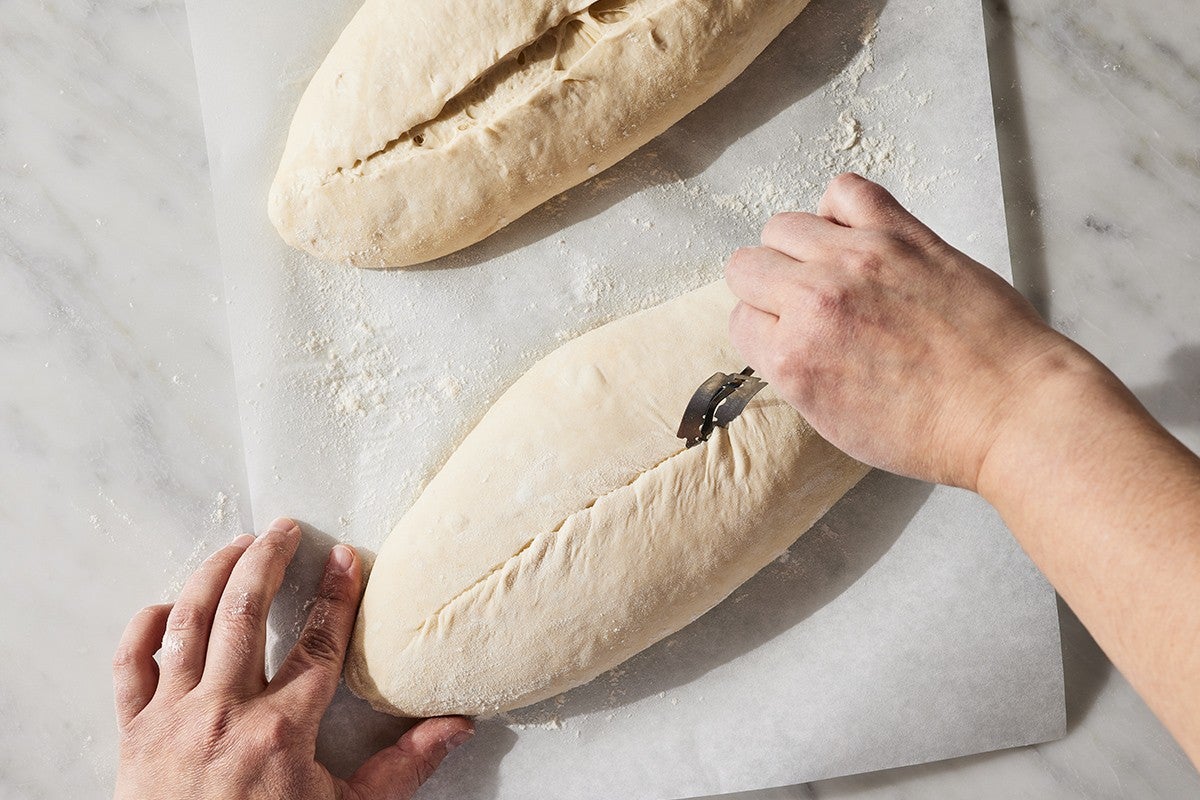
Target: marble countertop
x,y
120,460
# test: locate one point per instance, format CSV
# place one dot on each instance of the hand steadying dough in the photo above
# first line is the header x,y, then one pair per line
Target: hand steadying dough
x,y
910,356
207,725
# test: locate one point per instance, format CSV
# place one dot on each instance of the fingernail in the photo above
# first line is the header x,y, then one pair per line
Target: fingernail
x,y
458,739
341,558
282,525
243,541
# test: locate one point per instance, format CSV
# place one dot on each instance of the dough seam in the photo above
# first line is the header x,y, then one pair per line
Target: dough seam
x,y
474,588
556,74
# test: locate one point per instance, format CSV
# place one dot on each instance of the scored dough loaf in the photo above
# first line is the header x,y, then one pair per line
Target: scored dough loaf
x,y
434,123
571,529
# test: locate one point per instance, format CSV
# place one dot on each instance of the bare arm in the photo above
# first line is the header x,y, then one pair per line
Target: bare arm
x,y
912,357
1107,503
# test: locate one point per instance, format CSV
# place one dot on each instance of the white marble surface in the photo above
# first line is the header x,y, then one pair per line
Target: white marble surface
x,y
119,454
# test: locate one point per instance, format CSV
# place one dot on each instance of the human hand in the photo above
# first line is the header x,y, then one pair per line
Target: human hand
x,y
205,724
896,347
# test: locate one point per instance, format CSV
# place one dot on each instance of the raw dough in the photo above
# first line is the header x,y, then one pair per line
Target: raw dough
x,y
434,123
571,529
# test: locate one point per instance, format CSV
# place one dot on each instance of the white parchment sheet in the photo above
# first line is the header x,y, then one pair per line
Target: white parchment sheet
x,y
906,627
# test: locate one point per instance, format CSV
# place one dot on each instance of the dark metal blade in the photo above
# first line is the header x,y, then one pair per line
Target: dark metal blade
x,y
691,428
718,402
736,403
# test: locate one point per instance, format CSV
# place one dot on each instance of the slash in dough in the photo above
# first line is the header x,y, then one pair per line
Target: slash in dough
x,y
571,529
434,123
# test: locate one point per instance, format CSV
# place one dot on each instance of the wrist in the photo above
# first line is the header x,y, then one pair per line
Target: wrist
x,y
1058,403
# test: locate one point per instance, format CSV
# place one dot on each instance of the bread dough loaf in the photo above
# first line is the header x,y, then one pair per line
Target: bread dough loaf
x,y
434,123
571,529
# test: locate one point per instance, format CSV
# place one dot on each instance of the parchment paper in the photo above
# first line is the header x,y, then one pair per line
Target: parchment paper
x,y
906,627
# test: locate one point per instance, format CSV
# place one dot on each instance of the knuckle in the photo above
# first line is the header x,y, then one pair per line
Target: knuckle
x,y
273,732
859,191
872,196
829,301
845,183
320,644
244,608
272,546
779,223
188,618
337,590
739,260
799,374
124,658
868,262
781,362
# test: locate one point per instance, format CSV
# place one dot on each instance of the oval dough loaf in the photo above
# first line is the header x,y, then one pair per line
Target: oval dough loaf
x,y
434,123
571,529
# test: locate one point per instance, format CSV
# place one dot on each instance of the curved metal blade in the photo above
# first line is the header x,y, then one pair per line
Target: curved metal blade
x,y
718,402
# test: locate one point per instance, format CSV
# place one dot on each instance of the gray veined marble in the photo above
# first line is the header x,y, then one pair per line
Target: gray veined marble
x,y
120,460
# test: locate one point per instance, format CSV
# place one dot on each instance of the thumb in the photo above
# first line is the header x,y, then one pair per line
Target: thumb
x,y
396,772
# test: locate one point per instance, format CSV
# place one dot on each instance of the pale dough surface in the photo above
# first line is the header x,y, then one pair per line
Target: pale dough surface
x,y
434,123
571,529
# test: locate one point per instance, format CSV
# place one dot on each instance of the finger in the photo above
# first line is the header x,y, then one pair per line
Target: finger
x,y
760,276
185,643
751,332
237,654
396,772
804,237
309,675
135,672
856,202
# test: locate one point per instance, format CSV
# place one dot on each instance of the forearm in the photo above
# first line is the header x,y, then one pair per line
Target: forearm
x,y
1107,503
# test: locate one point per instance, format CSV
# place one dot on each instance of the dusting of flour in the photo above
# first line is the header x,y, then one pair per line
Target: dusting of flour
x,y
858,140
363,379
